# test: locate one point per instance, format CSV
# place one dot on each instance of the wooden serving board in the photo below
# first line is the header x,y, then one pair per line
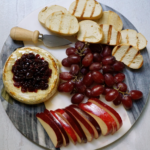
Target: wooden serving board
x,y
24,116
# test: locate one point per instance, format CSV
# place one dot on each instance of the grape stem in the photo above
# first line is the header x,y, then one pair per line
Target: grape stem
x,y
124,93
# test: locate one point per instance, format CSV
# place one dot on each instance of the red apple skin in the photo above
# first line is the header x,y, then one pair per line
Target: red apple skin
x,y
53,126
58,124
75,125
114,124
100,103
95,110
66,127
89,118
81,119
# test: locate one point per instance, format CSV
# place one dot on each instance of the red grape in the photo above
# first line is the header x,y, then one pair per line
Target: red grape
x,y
118,66
61,86
79,82
108,69
84,70
135,94
81,89
65,62
87,80
74,59
106,90
127,102
74,70
79,45
97,57
88,93
107,51
122,87
87,60
96,48
111,95
97,90
95,66
65,76
86,50
108,60
98,77
109,80
77,98
71,51
119,77
67,86
118,100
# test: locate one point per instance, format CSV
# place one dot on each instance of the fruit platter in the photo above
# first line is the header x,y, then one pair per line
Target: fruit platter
x,y
82,95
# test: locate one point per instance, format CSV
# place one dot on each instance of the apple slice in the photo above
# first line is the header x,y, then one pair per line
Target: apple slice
x,y
58,124
104,120
51,129
110,110
87,129
74,124
95,126
66,126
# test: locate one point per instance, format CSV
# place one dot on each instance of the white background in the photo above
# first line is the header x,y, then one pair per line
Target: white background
x,y
137,11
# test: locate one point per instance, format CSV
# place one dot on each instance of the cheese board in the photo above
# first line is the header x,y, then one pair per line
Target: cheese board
x,y
24,116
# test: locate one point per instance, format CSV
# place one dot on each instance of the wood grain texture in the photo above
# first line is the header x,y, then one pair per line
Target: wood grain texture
x,y
10,138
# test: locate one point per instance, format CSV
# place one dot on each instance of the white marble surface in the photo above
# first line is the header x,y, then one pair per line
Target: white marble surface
x,y
13,11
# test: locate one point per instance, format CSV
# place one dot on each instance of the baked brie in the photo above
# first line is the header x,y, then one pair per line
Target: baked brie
x,y
31,97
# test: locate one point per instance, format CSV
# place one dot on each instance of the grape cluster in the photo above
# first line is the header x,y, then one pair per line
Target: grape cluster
x,y
94,71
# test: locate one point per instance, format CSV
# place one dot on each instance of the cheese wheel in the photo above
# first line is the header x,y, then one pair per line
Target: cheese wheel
x,y
31,97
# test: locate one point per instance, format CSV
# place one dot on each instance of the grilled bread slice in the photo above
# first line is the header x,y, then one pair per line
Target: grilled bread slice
x,y
111,18
129,55
89,31
45,12
133,38
64,24
111,35
86,9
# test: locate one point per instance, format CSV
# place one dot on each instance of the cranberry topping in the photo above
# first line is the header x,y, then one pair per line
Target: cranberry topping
x,y
31,73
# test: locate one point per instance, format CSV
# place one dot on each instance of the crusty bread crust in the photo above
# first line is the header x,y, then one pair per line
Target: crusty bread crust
x,y
111,35
63,24
111,18
133,38
46,11
90,32
129,55
86,9
31,97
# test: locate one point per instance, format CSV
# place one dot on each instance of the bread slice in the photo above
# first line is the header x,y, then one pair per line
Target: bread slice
x,y
86,9
90,32
111,18
111,35
46,11
64,24
133,38
129,55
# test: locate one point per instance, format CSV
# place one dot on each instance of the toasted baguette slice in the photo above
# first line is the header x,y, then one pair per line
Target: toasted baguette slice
x,y
133,38
89,31
60,23
45,12
129,55
111,35
86,9
111,18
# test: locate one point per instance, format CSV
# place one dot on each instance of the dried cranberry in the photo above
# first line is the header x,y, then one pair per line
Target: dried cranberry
x,y
31,72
